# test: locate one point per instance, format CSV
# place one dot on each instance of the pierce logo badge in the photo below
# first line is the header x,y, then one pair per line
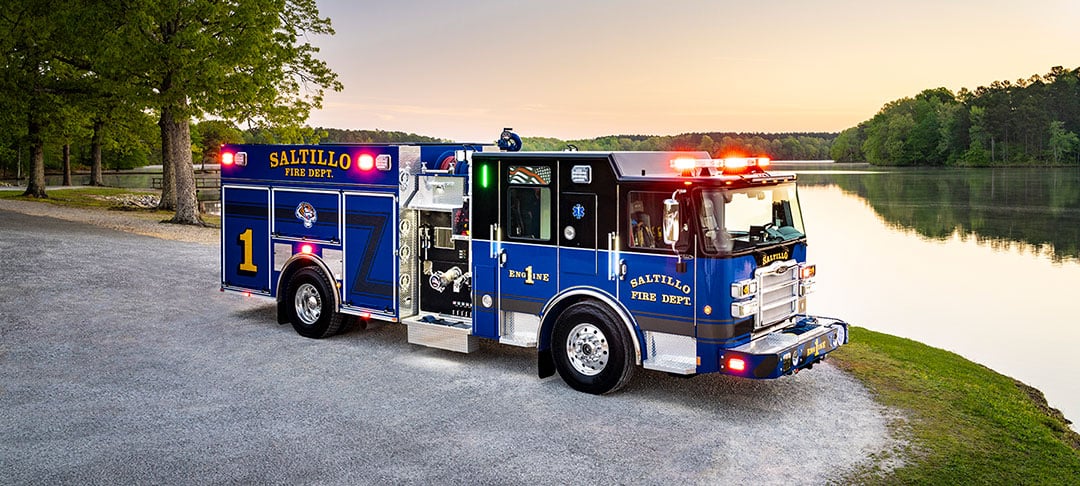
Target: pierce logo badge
x,y
305,212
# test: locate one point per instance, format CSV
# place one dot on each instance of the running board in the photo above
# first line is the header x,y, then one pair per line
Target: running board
x,y
441,332
671,353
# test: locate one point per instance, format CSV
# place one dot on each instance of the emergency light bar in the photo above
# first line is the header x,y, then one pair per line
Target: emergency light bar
x,y
732,165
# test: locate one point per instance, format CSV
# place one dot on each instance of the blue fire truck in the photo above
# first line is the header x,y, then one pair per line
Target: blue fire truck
x,y
602,261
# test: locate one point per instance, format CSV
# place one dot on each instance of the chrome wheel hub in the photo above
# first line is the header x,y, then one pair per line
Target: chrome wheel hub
x,y
587,348
308,304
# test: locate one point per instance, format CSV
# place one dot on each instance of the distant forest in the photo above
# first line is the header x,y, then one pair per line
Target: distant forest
x,y
786,146
779,146
1031,121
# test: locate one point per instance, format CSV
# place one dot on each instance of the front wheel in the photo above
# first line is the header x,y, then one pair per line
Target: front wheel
x,y
592,351
311,304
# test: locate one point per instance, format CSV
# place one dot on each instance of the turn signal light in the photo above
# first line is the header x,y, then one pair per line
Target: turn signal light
x,y
808,271
736,364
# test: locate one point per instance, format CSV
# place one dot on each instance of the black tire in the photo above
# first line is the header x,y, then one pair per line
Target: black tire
x,y
314,315
592,349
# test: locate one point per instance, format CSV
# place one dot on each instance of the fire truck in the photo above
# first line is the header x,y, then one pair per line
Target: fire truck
x,y
601,261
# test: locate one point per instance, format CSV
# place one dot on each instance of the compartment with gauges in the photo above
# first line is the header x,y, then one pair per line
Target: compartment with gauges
x,y
445,280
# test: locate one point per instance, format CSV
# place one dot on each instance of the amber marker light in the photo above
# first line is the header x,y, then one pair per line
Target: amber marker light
x,y
707,310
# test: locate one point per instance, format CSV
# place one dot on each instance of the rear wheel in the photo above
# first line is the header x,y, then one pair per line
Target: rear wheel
x,y
592,351
310,300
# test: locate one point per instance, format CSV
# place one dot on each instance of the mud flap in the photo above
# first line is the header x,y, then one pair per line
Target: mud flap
x,y
545,364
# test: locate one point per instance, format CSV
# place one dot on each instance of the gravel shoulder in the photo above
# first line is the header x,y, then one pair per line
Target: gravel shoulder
x,y
140,223
121,362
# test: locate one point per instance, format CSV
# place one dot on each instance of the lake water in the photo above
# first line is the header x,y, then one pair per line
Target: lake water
x,y
981,262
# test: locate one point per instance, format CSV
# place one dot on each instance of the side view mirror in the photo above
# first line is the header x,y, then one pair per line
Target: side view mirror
x,y
671,221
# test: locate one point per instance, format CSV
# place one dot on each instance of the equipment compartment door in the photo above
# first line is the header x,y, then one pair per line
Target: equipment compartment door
x,y
370,262
245,239
580,262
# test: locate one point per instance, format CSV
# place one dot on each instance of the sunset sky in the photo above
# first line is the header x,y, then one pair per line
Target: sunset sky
x,y
578,69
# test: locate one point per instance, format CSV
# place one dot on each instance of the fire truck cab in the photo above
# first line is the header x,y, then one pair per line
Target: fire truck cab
x,y
602,261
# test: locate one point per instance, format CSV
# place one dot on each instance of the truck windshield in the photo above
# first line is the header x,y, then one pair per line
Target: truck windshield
x,y
737,219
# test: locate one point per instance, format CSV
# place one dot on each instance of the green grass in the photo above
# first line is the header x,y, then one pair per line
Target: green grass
x,y
91,197
966,424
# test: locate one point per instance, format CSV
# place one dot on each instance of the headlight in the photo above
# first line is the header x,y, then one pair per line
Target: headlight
x,y
743,289
744,309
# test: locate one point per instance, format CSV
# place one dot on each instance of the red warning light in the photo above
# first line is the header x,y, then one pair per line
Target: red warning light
x,y
367,162
736,364
226,158
306,249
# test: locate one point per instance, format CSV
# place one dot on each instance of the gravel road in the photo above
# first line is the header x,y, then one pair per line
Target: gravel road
x,y
122,363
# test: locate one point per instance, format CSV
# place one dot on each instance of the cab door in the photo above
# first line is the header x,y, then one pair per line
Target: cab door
x,y
528,254
653,287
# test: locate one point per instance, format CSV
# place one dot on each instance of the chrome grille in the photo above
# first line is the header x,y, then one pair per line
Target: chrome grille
x,y
778,292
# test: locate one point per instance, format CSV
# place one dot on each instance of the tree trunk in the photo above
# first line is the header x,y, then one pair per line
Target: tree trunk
x,y
67,164
35,185
168,196
95,154
176,148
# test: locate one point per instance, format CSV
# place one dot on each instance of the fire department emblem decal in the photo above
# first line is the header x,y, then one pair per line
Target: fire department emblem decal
x,y
306,212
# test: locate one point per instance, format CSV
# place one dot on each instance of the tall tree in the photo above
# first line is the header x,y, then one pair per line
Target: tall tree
x,y
1061,140
31,79
241,60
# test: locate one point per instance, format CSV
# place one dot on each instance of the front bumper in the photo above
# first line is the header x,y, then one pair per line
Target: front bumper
x,y
787,350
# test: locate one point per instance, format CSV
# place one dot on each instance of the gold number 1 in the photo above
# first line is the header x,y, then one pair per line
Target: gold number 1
x,y
246,265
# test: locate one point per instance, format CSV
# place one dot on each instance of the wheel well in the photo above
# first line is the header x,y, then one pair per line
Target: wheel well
x,y
295,264
552,313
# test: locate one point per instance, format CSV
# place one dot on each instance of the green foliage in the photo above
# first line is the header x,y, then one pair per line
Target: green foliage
x,y
1062,142
1005,123
966,423
848,146
208,136
373,136
779,146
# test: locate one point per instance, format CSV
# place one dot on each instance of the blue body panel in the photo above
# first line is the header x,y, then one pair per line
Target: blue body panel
x,y
369,260
325,165
660,298
529,277
307,214
246,209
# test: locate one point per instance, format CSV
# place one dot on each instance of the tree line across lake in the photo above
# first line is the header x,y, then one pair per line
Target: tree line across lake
x,y
1030,121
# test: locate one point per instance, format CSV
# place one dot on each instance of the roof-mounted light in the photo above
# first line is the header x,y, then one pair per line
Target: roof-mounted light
x,y
732,165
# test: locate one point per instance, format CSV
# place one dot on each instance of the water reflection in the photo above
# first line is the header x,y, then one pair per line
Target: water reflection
x,y
924,264
997,207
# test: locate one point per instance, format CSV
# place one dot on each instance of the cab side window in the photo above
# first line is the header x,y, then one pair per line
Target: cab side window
x,y
529,203
646,212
